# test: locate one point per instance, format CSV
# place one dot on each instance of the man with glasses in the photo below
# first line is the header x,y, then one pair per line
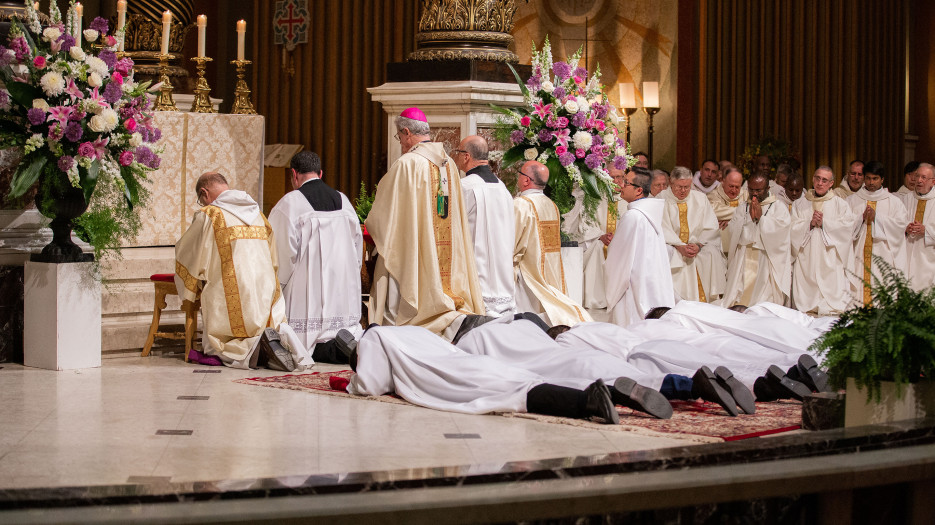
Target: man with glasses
x,y
852,181
537,254
822,242
920,234
489,207
425,274
228,258
637,268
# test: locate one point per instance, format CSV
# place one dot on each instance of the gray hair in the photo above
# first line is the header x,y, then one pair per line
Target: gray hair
x,y
926,165
660,173
416,127
680,173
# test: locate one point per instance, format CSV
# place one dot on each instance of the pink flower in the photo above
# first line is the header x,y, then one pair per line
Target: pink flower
x,y
562,136
130,124
100,147
542,110
111,41
561,150
525,121
117,77
577,79
39,61
562,122
600,125
61,113
580,153
85,149
126,158
73,90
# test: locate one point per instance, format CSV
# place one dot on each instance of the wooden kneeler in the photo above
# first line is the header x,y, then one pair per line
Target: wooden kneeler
x,y
164,284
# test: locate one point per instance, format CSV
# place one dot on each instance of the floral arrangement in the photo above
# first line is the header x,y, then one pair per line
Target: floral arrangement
x,y
80,120
779,151
567,124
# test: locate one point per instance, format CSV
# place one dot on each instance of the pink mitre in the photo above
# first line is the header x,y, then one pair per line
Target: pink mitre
x,y
414,113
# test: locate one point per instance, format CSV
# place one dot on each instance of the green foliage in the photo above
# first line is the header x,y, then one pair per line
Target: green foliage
x,y
110,220
364,202
892,339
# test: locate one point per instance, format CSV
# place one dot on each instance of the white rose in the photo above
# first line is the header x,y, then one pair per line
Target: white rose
x,y
582,139
609,139
40,103
76,53
51,34
571,107
136,140
547,86
583,104
95,80
52,83
90,34
97,123
621,152
531,154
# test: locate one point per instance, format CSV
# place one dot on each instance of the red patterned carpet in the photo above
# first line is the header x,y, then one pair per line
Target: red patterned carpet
x,y
703,421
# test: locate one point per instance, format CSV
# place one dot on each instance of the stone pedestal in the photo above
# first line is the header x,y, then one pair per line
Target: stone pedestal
x,y
917,401
62,316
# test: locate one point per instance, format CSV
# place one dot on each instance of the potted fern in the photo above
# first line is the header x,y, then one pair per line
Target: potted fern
x,y
884,352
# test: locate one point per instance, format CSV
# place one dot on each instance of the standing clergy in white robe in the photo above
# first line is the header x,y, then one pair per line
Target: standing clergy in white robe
x,y
228,257
593,236
852,181
694,240
637,269
425,274
319,243
822,244
760,254
725,199
910,177
920,234
489,208
881,232
537,254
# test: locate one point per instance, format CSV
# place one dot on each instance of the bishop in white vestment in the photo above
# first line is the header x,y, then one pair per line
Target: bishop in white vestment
x,y
725,199
920,234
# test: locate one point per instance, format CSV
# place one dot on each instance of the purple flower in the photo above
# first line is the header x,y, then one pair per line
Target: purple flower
x,y
20,48
562,70
5,58
55,132
595,140
65,163
123,66
599,111
86,149
156,135
593,161
73,131
100,25
581,72
67,41
146,157
559,93
620,163
534,83
517,136
109,57
566,159
578,119
4,100
126,158
562,122
545,135
112,93
36,116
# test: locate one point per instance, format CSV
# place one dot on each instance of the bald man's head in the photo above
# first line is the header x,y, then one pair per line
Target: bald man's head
x,y
537,172
209,186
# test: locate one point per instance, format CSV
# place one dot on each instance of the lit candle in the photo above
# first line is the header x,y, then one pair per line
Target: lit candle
x,y
627,95
241,32
202,26
79,13
121,21
650,94
166,30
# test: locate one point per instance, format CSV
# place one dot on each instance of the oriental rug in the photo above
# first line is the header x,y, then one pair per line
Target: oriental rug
x,y
692,420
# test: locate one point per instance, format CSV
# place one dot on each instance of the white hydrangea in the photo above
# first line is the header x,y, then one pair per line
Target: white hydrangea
x,y
530,154
111,119
548,87
582,139
40,103
51,34
621,151
95,80
583,104
53,83
571,106
136,140
97,65
609,139
495,155
76,53
90,34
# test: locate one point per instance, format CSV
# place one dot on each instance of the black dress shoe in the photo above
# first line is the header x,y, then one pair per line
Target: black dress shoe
x,y
741,394
811,375
784,386
346,343
599,403
469,323
627,392
763,391
278,358
706,387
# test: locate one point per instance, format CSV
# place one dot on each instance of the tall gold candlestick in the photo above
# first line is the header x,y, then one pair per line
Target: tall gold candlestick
x,y
202,102
628,112
650,112
165,102
242,103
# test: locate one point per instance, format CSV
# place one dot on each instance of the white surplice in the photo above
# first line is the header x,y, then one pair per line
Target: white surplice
x,y
489,208
637,267
819,283
425,370
843,190
587,232
319,267
920,251
692,221
760,255
724,208
821,324
888,233
228,257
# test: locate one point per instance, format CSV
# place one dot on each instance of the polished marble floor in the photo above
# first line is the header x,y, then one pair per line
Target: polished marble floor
x,y
158,419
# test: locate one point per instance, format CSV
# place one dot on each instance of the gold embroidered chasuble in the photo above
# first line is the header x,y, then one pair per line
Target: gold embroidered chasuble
x,y
884,236
920,250
425,274
537,260
233,266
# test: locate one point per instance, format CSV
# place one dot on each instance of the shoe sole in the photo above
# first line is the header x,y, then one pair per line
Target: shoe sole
x,y
645,399
741,394
614,417
784,385
814,377
708,381
345,342
283,361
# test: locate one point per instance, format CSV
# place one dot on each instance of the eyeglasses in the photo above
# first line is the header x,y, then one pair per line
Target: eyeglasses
x,y
458,151
396,136
527,176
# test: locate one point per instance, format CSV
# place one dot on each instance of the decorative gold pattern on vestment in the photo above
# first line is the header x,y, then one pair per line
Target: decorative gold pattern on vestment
x,y
683,222
465,29
443,250
734,203
191,284
701,295
611,219
550,239
868,252
920,210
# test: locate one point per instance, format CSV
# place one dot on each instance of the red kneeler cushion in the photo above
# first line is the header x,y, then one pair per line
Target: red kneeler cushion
x,y
162,277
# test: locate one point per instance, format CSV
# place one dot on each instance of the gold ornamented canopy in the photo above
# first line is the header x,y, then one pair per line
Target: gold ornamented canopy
x,y
465,29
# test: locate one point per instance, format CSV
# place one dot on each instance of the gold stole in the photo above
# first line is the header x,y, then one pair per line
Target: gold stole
x,y
550,239
611,223
442,229
734,203
868,252
920,210
683,236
